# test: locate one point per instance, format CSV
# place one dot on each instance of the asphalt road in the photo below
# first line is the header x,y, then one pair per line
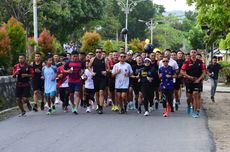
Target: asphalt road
x,y
110,132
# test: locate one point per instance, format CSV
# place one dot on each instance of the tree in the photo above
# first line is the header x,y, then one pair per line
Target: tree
x,y
17,37
108,46
215,14
46,42
90,41
5,55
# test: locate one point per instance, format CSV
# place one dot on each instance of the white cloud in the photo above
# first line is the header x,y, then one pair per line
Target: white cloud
x,y
171,5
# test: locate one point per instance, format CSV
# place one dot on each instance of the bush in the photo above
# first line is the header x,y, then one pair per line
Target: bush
x,y
17,37
108,46
90,41
5,54
225,71
46,42
136,45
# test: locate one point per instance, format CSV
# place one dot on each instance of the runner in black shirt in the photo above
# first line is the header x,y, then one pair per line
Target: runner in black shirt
x,y
37,82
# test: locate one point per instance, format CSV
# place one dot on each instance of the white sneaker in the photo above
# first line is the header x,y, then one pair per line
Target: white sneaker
x,y
146,113
57,100
46,105
88,110
150,109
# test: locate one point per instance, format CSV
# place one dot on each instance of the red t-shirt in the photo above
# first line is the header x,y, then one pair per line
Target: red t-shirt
x,y
77,67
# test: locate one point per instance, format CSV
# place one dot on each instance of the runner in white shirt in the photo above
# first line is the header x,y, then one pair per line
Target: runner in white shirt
x,y
172,62
122,71
89,87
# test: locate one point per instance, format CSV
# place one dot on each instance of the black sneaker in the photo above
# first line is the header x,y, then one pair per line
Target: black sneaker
x,y
212,98
29,106
35,108
177,106
42,105
23,114
122,111
100,111
139,110
156,105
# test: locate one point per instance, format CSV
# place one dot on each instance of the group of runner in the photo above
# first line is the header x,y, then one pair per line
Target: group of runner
x,y
126,81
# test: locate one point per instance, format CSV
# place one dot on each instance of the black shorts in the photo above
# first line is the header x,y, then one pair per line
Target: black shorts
x,y
38,84
122,90
89,93
136,88
99,84
111,84
177,84
23,92
190,87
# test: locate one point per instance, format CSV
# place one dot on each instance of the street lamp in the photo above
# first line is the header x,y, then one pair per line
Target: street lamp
x,y
127,7
151,25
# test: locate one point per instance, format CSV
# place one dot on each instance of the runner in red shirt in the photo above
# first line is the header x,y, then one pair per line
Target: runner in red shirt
x,y
193,70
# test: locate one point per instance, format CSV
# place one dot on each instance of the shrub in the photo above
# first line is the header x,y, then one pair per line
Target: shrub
x,y
225,71
108,46
136,45
46,42
17,37
90,41
5,54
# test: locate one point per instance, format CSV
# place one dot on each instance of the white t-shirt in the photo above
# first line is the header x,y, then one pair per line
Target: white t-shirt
x,y
172,63
89,82
121,81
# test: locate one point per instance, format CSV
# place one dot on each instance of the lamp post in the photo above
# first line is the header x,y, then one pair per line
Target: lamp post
x,y
151,25
127,7
35,17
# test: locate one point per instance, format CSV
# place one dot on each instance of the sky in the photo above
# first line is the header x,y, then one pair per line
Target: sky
x,y
171,5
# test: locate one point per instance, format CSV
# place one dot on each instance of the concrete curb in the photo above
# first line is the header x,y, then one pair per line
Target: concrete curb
x,y
8,110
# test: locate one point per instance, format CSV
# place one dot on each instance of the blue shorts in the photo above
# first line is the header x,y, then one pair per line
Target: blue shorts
x,y
51,94
73,87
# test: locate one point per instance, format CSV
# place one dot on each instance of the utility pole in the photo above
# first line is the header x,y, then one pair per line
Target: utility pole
x,y
35,17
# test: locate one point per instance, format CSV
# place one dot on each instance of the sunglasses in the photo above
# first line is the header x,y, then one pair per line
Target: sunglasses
x,y
98,51
122,56
165,61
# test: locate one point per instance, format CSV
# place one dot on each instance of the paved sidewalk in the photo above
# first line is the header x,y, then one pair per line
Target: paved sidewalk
x,y
221,87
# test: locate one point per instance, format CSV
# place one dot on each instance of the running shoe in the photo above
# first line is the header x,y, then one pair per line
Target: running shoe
x,y
54,109
49,111
100,111
29,106
113,108
146,113
65,109
189,109
165,114
88,110
139,110
150,109
122,111
156,105
97,108
194,114
42,105
35,108
116,108
177,106
23,114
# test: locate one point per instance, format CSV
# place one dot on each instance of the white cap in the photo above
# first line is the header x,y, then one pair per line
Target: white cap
x,y
147,59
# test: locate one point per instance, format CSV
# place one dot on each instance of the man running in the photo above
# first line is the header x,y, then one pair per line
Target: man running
x,y
37,81
74,70
193,70
122,71
23,72
99,68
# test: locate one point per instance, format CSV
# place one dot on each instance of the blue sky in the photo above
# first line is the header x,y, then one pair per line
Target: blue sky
x,y
171,5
